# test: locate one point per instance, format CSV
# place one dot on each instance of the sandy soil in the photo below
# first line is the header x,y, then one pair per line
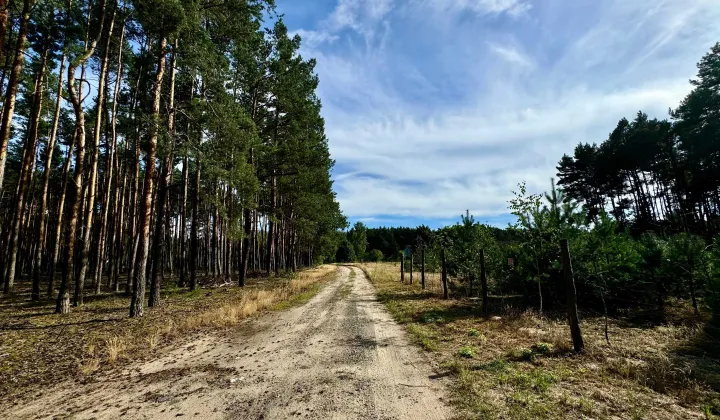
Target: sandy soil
x,y
339,356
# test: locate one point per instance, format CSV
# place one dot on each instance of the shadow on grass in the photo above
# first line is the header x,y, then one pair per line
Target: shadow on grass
x,y
51,326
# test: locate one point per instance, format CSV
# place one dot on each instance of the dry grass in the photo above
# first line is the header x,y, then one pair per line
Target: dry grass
x,y
38,347
520,365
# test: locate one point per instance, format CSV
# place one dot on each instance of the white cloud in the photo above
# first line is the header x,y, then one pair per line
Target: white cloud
x,y
312,39
450,111
513,8
511,54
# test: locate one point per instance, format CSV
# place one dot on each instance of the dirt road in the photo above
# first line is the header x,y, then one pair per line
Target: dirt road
x,y
339,356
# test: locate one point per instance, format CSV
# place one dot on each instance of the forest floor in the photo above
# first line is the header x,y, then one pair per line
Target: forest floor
x,y
514,365
339,355
39,348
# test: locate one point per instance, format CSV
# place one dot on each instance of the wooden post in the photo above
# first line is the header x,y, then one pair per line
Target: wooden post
x,y
483,282
422,267
571,297
411,268
444,275
402,268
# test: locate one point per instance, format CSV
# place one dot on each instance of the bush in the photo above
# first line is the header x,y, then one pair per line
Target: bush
x,y
345,253
375,256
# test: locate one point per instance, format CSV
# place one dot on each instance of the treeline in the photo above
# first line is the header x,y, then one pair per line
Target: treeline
x,y
386,243
659,175
148,138
639,212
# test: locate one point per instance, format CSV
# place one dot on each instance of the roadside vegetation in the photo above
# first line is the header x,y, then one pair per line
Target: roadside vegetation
x,y
39,348
518,364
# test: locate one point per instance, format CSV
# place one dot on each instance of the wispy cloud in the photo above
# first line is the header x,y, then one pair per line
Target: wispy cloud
x,y
513,8
511,54
446,105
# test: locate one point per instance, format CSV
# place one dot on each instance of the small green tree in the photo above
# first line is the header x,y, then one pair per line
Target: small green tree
x,y
685,260
357,236
375,256
345,252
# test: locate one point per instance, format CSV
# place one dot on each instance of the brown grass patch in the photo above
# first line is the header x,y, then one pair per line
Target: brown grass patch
x,y
38,347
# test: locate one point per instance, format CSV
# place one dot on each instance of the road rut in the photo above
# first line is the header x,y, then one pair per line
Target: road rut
x,y
340,356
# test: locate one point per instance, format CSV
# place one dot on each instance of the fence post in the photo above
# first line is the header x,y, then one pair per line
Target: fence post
x,y
483,282
411,267
402,268
571,297
444,275
422,267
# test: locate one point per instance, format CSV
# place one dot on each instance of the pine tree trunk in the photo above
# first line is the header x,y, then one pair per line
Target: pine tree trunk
x,y
46,184
194,227
247,238
182,280
131,241
92,183
63,300
4,9
12,88
61,212
138,296
111,158
271,226
159,243
25,175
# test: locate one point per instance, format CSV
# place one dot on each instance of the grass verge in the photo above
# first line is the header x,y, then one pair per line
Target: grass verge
x,y
521,365
40,348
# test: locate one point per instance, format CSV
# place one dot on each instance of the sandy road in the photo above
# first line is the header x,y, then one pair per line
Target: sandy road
x,y
339,356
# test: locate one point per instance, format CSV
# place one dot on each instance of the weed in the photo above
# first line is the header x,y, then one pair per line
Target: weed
x,y
423,336
472,332
542,348
116,347
432,317
466,352
89,365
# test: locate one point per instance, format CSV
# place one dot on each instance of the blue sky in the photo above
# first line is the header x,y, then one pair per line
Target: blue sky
x,y
433,107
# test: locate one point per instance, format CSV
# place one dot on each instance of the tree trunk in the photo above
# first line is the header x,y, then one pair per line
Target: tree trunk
x,y
182,281
12,87
63,301
92,183
571,294
24,181
422,267
194,254
246,242
138,297
444,276
111,161
4,9
46,184
483,282
159,243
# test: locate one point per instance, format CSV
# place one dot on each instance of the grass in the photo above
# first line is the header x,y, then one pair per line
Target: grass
x,y
39,347
515,365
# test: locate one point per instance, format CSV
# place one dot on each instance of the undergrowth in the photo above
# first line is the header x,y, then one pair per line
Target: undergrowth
x,y
38,347
517,365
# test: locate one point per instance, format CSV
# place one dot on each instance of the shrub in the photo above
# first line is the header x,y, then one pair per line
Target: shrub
x,y
375,256
467,352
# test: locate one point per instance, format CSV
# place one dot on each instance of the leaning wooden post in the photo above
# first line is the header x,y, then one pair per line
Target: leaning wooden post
x,y
411,268
571,297
483,282
422,267
402,268
444,275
